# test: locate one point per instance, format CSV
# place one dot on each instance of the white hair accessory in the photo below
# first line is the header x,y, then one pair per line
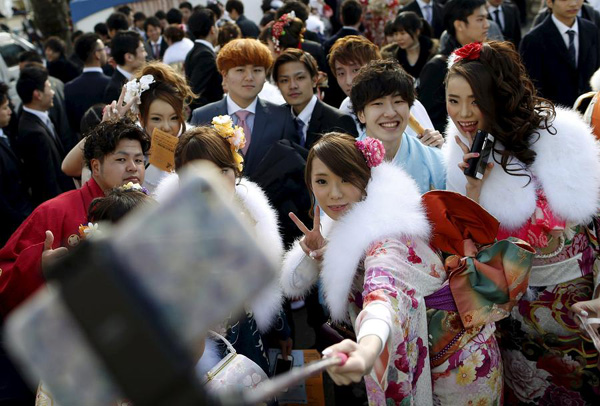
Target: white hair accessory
x,y
135,88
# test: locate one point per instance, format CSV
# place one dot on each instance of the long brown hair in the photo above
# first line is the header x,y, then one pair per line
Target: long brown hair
x,y
339,153
508,100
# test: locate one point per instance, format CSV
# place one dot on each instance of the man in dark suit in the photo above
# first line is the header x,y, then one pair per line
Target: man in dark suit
x,y
430,11
562,53
296,74
506,15
350,16
87,89
243,64
587,12
235,8
38,143
200,63
127,49
156,44
15,202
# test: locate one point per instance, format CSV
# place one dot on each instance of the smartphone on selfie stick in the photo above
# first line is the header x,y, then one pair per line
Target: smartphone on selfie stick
x,y
483,143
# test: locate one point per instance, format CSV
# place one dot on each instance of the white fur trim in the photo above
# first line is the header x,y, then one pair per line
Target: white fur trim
x,y
267,304
392,208
210,358
567,166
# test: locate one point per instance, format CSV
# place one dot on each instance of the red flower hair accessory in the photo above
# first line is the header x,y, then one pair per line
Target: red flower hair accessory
x,y
373,151
470,52
278,28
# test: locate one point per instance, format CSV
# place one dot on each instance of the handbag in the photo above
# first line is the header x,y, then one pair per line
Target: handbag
x,y
233,371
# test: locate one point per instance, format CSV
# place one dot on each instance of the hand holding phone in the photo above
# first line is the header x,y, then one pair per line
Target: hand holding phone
x,y
483,144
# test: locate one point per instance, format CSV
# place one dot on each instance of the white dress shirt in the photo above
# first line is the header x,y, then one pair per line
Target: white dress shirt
x,y
305,115
232,108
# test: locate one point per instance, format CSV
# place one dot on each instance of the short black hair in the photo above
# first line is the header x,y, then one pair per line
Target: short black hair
x,y
236,5
295,55
91,118
459,10
101,29
351,12
125,10
151,21
200,23
30,56
56,44
174,16
302,11
160,15
103,139
85,46
116,204
117,21
214,7
139,16
31,78
186,4
380,78
3,92
125,42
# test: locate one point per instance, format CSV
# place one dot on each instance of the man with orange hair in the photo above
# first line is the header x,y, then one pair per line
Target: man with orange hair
x,y
243,63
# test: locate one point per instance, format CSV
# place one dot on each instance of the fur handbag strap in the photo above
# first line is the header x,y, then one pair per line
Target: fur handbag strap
x,y
218,336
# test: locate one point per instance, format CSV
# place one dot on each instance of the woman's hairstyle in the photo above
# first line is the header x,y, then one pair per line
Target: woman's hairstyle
x,y
507,99
116,204
352,49
339,153
204,142
173,33
104,138
242,52
169,86
292,34
410,22
228,32
380,78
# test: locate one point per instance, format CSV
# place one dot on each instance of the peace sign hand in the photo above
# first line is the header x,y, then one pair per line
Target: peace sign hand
x,y
116,109
313,243
473,185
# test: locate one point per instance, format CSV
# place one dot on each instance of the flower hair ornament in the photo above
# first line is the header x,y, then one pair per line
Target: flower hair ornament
x,y
134,186
373,151
278,28
470,52
135,88
234,135
88,232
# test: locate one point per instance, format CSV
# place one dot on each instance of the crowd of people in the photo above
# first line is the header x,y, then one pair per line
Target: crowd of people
x,y
344,132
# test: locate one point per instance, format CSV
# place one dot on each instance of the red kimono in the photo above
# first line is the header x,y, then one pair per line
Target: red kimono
x,y
20,258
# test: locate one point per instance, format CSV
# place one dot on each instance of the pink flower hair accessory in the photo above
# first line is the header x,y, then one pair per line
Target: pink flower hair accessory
x,y
373,151
278,28
470,52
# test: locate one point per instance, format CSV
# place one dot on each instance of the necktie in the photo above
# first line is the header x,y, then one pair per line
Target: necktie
x,y
156,51
242,115
4,139
427,13
51,127
497,18
571,34
299,126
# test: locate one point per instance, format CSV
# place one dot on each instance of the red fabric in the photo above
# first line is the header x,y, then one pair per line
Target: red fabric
x,y
20,258
456,220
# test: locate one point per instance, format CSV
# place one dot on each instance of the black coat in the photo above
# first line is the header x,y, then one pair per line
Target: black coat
x,y
546,58
426,51
343,32
316,50
248,28
437,17
82,93
512,23
325,119
63,69
42,155
114,87
202,74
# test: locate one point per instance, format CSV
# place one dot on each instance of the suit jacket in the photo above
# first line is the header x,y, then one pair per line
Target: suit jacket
x,y
280,126
63,69
58,115
150,50
587,13
15,203
82,93
248,28
546,58
42,156
114,87
343,32
201,71
325,119
512,23
437,17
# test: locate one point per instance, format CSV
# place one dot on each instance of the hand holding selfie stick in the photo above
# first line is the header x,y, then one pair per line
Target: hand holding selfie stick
x,y
278,384
415,125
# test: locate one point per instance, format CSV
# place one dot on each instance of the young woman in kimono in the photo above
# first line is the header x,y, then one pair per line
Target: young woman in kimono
x,y
542,184
371,254
219,144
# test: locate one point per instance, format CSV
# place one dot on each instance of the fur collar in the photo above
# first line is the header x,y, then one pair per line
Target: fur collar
x,y
567,167
267,305
392,208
